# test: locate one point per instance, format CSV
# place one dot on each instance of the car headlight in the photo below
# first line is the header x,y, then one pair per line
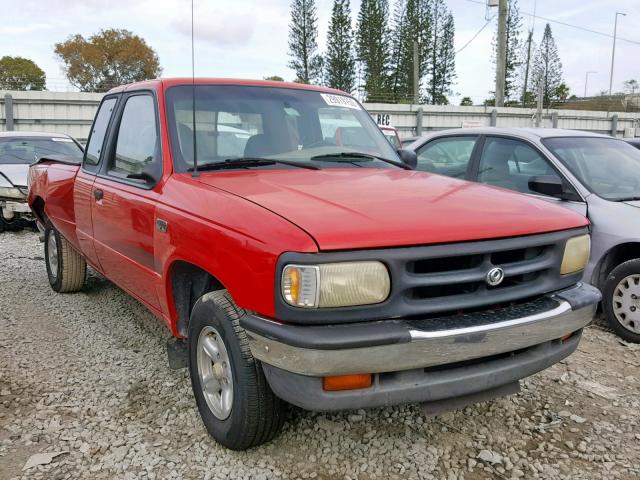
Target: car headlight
x,y
341,284
576,254
11,192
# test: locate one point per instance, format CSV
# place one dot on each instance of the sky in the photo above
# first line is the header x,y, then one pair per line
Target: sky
x,y
248,38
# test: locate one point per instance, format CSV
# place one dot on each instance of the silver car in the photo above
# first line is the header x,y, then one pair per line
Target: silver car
x,y
18,150
595,175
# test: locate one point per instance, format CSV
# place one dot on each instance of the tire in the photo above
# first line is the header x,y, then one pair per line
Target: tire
x,y
66,268
621,300
255,415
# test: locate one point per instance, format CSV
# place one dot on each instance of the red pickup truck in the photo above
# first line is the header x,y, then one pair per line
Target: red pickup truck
x,y
316,270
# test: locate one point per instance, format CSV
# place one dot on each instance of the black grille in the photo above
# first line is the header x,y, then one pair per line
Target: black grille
x,y
448,279
466,274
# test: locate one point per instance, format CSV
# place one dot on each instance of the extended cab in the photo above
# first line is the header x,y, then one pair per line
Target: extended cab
x,y
315,268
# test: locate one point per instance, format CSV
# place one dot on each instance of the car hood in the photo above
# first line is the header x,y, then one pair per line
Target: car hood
x,y
15,173
368,208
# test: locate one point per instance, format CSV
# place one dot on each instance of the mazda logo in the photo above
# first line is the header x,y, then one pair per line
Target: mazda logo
x,y
495,277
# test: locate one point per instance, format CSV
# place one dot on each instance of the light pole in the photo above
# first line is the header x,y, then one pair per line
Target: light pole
x,y
613,53
586,81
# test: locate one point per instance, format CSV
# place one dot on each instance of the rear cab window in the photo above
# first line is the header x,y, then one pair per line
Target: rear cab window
x,y
97,135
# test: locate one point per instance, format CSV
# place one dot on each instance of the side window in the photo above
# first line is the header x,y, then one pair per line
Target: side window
x,y
510,163
137,146
98,131
447,156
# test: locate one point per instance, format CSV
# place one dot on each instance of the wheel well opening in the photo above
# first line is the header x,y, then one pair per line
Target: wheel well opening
x,y
188,284
614,257
38,209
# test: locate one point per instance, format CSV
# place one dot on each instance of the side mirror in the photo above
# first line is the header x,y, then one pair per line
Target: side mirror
x,y
408,157
551,185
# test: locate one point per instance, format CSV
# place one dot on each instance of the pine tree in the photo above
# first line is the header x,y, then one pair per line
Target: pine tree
x,y
303,41
372,43
412,23
442,64
339,62
547,68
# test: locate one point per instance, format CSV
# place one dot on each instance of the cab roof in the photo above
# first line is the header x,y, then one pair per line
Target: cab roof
x,y
170,82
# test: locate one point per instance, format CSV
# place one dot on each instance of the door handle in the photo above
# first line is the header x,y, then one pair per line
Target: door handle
x,y
98,194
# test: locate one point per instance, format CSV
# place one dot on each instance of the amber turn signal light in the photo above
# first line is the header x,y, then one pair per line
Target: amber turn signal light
x,y
346,382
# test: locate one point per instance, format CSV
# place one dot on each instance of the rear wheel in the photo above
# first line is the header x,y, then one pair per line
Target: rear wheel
x,y
235,401
66,268
621,300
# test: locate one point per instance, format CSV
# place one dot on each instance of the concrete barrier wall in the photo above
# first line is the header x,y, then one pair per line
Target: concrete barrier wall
x,y
72,113
57,112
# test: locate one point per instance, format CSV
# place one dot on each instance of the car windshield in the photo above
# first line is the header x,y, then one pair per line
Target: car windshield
x,y
16,150
287,124
606,166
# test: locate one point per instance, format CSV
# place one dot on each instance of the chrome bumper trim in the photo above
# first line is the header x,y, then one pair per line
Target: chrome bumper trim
x,y
426,348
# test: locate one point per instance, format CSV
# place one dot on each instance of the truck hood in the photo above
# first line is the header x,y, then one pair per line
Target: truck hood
x,y
16,173
368,208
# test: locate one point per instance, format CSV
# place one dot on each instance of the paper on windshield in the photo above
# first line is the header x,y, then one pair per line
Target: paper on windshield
x,y
340,101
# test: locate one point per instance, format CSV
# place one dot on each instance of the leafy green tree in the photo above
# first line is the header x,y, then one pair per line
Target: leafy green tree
x,y
547,68
466,102
562,92
443,56
17,73
340,65
631,86
303,41
275,78
107,59
373,48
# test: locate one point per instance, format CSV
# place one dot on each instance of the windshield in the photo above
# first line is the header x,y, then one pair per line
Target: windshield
x,y
286,124
606,166
29,149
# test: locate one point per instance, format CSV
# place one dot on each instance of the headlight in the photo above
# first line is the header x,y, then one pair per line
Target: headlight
x,y
576,254
11,192
335,284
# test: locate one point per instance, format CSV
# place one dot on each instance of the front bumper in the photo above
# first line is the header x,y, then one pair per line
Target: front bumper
x,y
296,357
13,209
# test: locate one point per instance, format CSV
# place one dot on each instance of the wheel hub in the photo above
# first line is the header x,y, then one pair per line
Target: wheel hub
x,y
52,254
626,303
214,372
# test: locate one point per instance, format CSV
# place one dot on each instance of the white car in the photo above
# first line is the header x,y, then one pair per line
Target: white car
x,y
18,150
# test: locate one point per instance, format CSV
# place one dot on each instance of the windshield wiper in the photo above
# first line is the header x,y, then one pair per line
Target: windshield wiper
x,y
343,156
246,162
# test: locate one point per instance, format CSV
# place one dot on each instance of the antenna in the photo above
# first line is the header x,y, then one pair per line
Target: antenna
x,y
193,99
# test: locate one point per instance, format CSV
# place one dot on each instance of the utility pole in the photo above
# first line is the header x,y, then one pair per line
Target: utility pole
x,y
416,73
540,104
586,81
503,8
613,52
525,87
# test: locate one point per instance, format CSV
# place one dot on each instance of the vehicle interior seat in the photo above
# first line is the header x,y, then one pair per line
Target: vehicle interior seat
x,y
259,145
496,171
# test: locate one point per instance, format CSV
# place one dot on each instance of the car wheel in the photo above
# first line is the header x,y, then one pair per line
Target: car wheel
x,y
236,404
66,268
622,300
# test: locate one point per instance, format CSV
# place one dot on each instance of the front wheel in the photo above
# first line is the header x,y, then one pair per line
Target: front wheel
x,y
66,268
235,401
621,300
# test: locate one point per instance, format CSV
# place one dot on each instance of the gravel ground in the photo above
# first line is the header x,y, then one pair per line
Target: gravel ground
x,y
86,374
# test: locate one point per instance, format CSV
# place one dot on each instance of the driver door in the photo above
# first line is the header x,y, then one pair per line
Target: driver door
x,y
510,163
